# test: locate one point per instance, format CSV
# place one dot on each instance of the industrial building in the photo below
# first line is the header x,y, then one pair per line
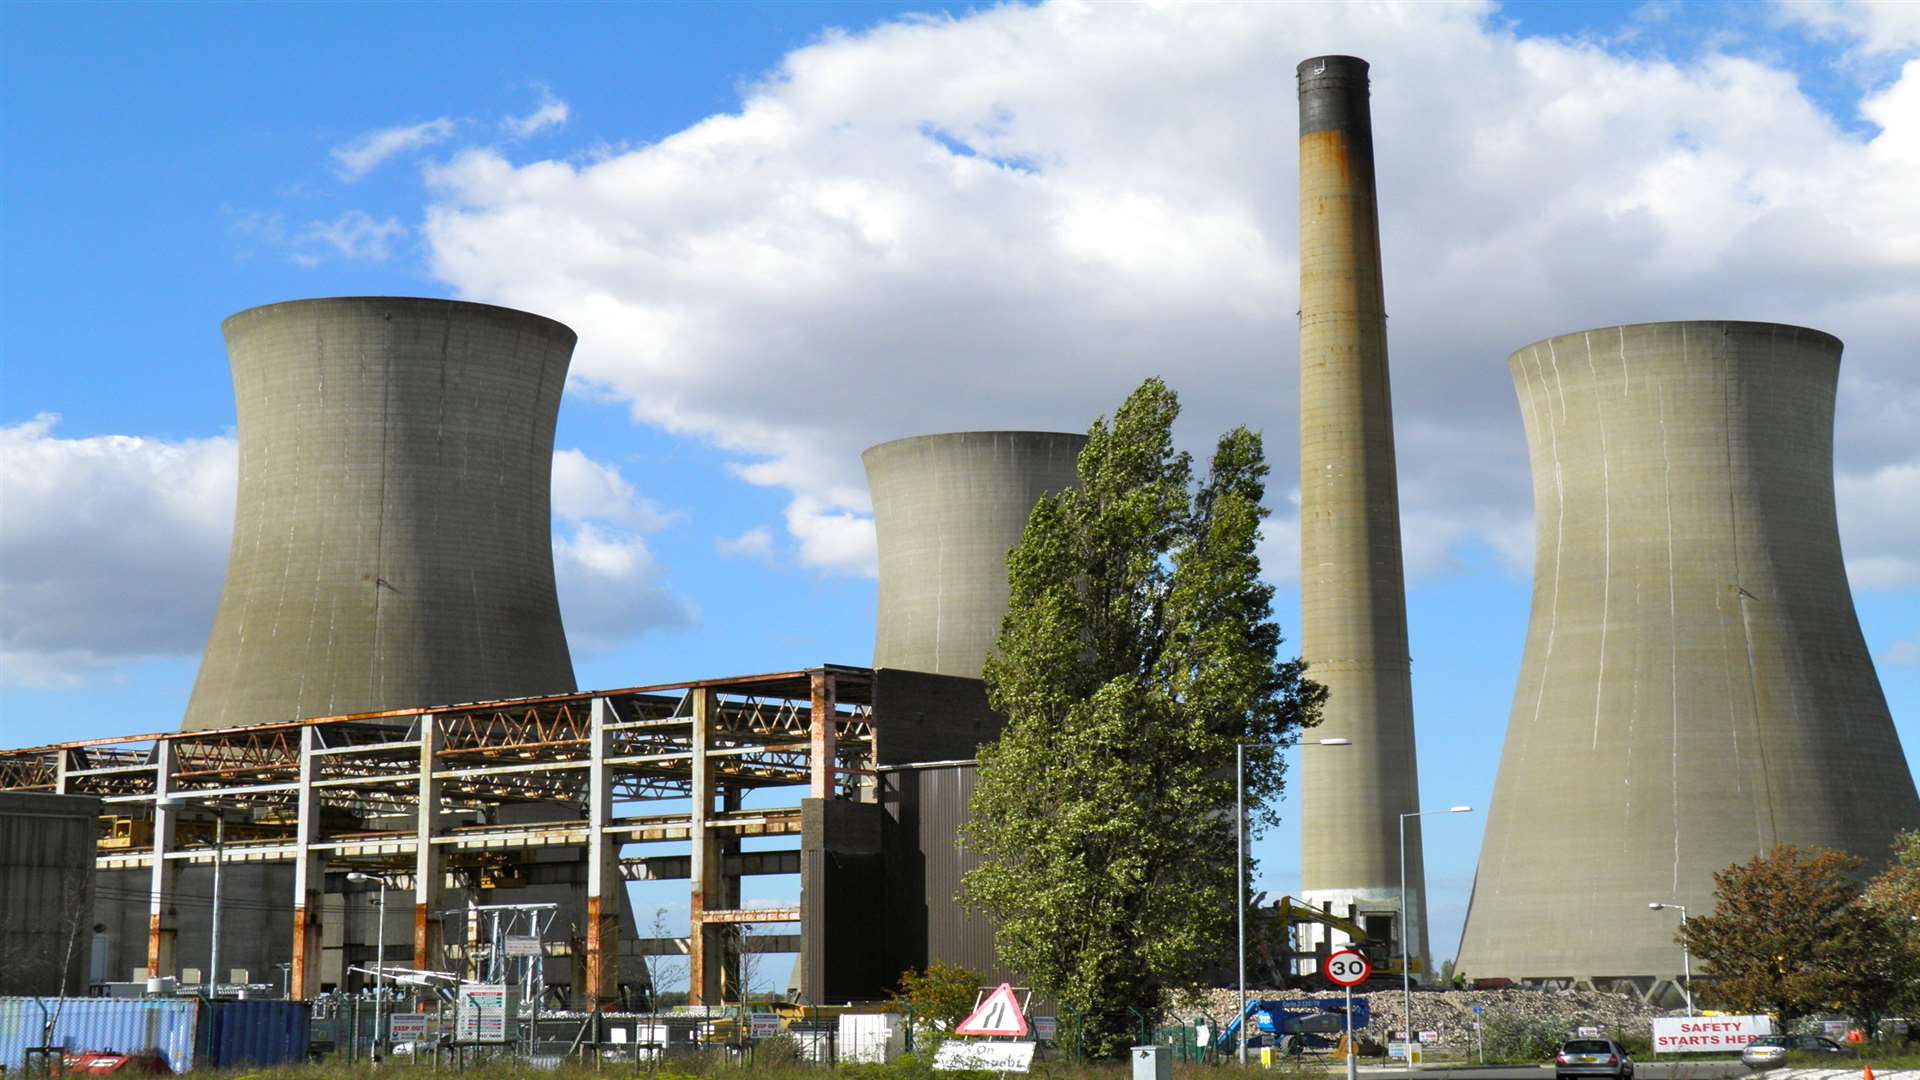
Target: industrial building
x,y
1360,846
1695,688
46,891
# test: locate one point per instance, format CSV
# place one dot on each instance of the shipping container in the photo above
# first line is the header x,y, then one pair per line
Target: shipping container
x,y
164,1025
256,1033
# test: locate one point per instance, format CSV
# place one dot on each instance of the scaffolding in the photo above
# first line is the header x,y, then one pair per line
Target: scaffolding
x,y
416,795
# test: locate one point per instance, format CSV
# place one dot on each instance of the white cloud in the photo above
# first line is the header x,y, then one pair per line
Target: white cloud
x,y
1006,220
1874,27
357,158
755,543
552,112
1902,654
352,235
355,234
612,589
1879,521
111,549
586,490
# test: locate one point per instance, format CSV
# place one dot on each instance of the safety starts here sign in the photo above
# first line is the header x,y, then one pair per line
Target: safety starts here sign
x,y
1707,1034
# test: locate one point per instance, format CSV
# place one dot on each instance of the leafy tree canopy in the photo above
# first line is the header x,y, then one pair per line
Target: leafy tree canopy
x,y
1139,647
1790,934
940,996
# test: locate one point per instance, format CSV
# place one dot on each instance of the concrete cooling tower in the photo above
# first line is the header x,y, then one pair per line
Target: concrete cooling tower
x,y
1695,688
947,509
1353,603
391,542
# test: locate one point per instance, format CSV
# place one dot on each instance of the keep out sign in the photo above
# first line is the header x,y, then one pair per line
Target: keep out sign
x,y
1707,1034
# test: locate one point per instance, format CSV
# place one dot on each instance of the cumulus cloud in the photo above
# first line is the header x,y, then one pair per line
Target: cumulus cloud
x,y
552,112
1873,27
356,158
111,549
755,543
588,490
1006,220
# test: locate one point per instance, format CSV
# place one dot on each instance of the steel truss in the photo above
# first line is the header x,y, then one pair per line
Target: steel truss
x,y
415,794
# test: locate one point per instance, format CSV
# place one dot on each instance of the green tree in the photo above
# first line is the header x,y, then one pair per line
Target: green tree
x,y
1139,647
938,997
1790,935
1893,896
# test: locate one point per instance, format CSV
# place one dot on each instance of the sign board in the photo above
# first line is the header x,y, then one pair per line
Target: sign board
x,y
1348,968
997,1014
521,945
1833,1029
1047,1028
1428,1038
763,1025
1588,1031
1707,1034
1477,1010
407,1027
483,1014
957,1056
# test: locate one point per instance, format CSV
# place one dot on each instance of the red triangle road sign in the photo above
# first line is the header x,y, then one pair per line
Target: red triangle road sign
x,y
999,1014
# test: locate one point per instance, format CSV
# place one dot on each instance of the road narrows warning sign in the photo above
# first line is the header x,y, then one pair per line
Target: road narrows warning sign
x,y
998,1014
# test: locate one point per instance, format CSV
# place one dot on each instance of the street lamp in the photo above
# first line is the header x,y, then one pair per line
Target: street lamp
x,y
379,959
1406,966
1240,877
1686,954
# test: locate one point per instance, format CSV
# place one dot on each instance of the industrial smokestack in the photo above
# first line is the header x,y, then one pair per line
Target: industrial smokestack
x,y
1695,688
391,542
947,510
1353,608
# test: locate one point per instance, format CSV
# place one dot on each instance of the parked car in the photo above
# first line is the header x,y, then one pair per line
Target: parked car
x,y
1592,1057
1770,1050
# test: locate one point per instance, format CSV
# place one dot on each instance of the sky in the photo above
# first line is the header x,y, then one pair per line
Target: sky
x,y
785,232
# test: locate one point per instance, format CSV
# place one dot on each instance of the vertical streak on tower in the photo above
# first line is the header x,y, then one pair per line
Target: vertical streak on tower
x,y
1353,611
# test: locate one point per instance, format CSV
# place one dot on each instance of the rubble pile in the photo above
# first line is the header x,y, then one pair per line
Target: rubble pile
x,y
1450,1012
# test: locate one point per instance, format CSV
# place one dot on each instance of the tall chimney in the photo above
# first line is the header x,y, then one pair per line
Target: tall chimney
x,y
392,542
1353,606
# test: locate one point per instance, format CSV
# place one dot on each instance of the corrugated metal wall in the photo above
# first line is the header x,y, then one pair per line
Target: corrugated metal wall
x,y
112,1024
46,875
256,1033
930,804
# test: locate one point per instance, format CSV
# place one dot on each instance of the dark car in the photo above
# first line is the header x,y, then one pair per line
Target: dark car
x,y
1592,1057
1770,1050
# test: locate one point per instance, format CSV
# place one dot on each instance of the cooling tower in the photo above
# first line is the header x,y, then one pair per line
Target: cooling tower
x,y
391,542
947,509
1695,688
1353,605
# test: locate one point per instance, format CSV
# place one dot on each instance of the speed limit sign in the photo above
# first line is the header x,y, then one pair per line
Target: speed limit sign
x,y
1348,968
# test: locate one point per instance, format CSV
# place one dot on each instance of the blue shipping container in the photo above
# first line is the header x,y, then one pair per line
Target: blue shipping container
x,y
256,1033
120,1025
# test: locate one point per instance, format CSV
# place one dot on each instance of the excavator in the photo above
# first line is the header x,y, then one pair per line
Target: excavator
x,y
1286,961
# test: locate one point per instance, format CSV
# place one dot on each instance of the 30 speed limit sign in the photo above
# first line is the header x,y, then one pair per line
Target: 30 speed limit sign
x,y
1348,968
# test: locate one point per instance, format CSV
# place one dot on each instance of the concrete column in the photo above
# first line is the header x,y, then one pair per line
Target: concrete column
x,y
604,883
161,930
821,741
1353,608
705,958
309,876
429,864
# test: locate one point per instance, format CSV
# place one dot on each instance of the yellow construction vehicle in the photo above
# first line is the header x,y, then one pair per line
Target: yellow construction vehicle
x,y
1295,964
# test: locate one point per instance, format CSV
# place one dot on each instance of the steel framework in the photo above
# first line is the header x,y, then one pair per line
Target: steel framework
x,y
416,793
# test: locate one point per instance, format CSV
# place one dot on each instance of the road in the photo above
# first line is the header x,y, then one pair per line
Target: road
x,y
1642,1070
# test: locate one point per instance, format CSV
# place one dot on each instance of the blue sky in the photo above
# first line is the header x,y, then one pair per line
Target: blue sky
x,y
793,230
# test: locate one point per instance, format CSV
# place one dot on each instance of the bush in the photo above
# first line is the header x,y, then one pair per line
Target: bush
x,y
1518,1038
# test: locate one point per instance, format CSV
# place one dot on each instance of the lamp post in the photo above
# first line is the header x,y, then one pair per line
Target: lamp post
x,y
1686,954
213,948
1406,966
379,960
1240,877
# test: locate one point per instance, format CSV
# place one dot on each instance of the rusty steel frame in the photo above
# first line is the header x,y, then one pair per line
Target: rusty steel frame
x,y
397,792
